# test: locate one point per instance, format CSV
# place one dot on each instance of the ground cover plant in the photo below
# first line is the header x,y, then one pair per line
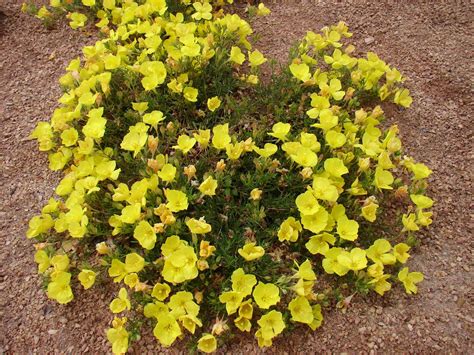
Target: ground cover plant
x,y
215,200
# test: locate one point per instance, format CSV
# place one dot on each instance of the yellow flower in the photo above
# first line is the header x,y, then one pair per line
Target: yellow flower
x,y
305,271
134,263
190,93
236,55
268,150
305,157
423,218
383,179
381,285
335,139
87,278
323,189
243,324
206,249
180,261
421,201
177,200
167,330
262,10
289,230
203,11
167,173
118,336
59,288
185,143
182,303
256,58
121,303
190,322
213,103
95,126
256,194
379,252
400,251
410,279
347,228
234,151
208,186
232,300
333,89
317,317
319,244
161,291
221,137
271,325
369,211
154,74
315,222
140,107
307,204
246,309
409,222
198,226
266,295
331,264
69,137
251,252
203,137
43,261
243,283
280,130
354,260
136,138
402,97
207,343
153,118
77,20
145,234
309,140
39,225
131,280
60,262
301,310
300,71
335,167
318,104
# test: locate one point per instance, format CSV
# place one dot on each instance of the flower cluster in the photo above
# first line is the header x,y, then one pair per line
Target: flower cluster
x,y
214,200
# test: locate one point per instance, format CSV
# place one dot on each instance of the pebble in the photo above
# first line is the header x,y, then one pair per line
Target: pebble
x,y
369,40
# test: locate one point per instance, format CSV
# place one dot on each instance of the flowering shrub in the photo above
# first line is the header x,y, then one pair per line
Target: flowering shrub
x,y
214,201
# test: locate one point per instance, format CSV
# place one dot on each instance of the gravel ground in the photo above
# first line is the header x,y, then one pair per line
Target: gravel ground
x,y
429,42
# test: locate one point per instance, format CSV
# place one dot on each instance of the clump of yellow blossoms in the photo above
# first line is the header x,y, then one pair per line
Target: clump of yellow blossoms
x,y
215,202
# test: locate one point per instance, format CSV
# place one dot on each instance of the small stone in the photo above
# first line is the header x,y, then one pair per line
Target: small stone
x,y
369,40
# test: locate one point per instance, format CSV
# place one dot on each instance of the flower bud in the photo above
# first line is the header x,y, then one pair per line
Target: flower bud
x,y
220,166
401,192
190,171
360,116
152,144
153,165
364,164
202,265
377,112
306,173
159,227
102,248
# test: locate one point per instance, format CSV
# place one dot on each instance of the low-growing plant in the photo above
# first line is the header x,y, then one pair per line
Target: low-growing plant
x,y
213,199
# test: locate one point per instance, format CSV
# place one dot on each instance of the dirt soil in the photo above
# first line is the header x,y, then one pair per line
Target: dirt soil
x,y
429,42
